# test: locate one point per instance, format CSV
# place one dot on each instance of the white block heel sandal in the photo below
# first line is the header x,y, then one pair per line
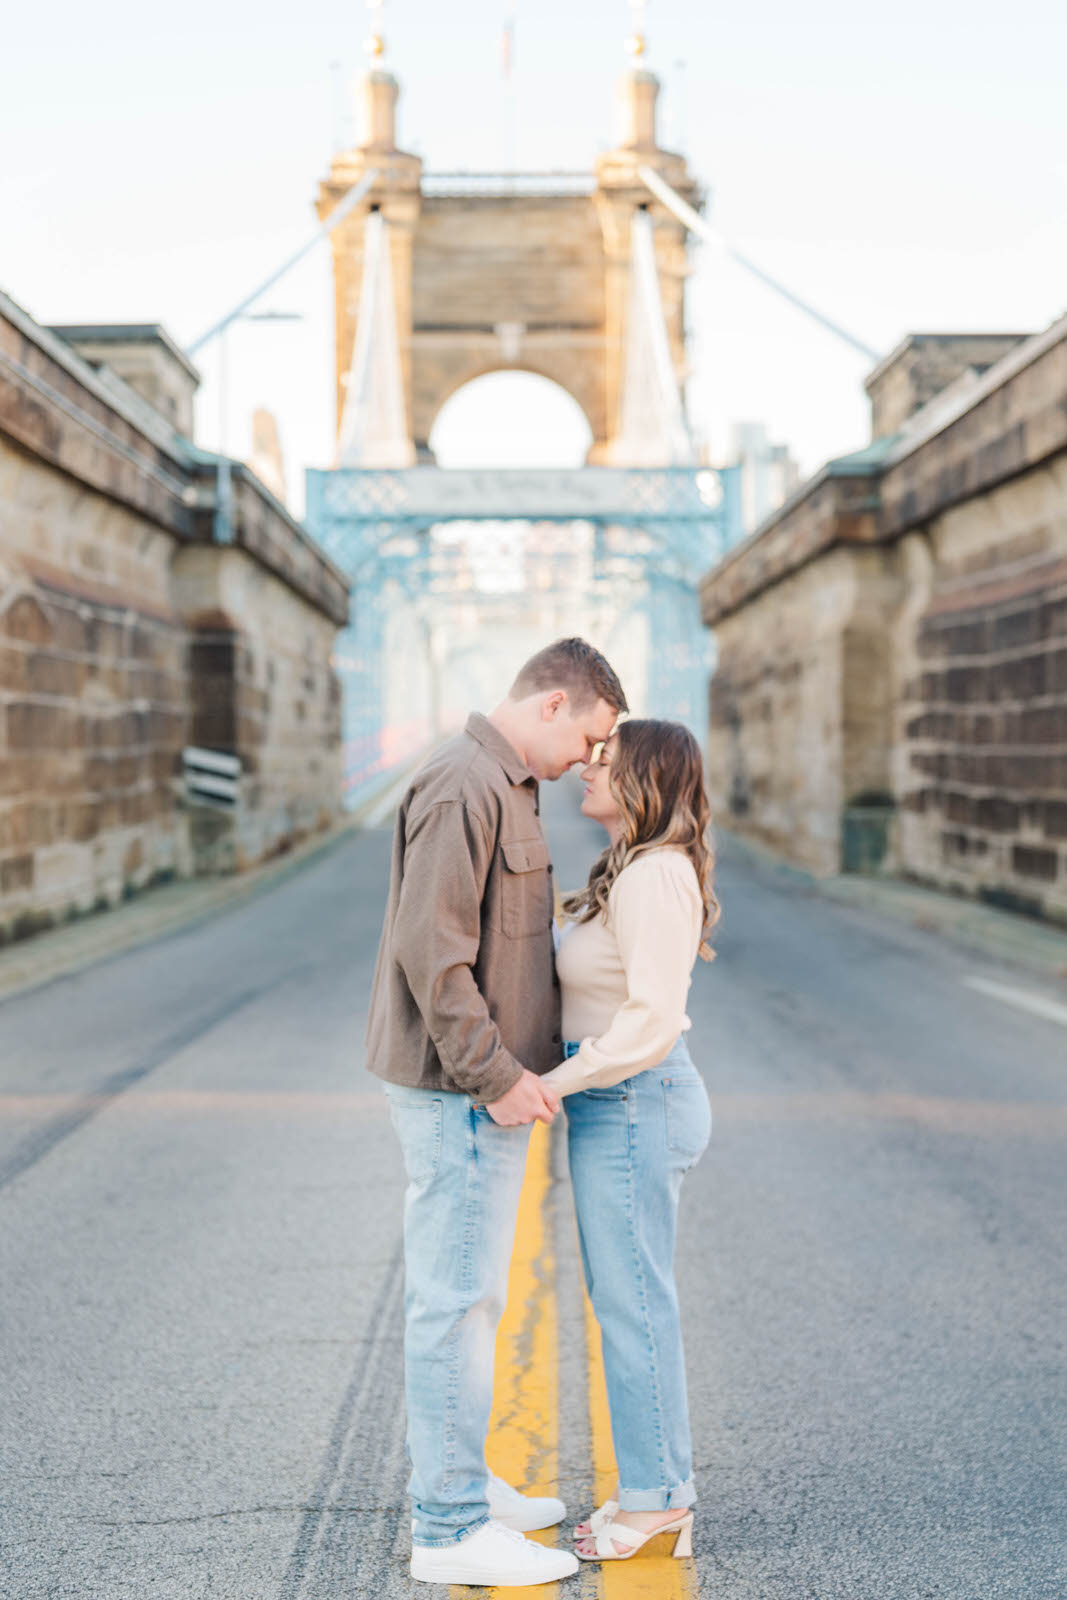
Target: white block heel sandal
x,y
610,1532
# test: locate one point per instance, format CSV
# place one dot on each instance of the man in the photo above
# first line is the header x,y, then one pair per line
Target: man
x,y
464,1017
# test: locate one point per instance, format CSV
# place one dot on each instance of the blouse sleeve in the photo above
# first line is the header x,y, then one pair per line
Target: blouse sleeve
x,y
657,917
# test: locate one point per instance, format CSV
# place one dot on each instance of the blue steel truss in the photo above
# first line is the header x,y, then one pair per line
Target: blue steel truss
x,y
654,533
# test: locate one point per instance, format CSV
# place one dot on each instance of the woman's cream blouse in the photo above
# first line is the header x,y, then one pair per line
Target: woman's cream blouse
x,y
625,977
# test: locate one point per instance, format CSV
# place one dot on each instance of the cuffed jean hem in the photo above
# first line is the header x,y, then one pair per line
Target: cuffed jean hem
x,y
443,1544
676,1499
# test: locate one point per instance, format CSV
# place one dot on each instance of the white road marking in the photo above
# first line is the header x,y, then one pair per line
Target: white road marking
x,y
1038,1004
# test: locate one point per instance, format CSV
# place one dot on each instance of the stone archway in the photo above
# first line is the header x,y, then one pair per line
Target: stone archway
x,y
510,416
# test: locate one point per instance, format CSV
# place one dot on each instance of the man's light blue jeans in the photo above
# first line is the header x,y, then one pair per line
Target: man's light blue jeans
x,y
464,1179
629,1148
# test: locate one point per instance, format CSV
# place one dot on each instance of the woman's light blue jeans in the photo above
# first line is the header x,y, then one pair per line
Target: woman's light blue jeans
x,y
629,1148
464,1179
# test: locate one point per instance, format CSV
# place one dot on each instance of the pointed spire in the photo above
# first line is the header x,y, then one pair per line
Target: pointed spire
x,y
637,44
374,44
379,90
653,431
639,89
374,430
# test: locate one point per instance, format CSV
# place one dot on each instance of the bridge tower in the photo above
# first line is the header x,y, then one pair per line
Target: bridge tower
x,y
578,277
528,271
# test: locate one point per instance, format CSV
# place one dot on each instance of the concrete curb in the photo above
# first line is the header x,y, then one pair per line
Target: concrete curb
x,y
156,913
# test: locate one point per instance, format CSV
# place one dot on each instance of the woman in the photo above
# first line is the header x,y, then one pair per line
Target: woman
x,y
637,1111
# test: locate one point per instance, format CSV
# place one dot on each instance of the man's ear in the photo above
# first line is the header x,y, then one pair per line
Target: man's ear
x,y
552,703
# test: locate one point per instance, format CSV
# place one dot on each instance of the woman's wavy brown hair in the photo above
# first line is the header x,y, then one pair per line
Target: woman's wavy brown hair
x,y
657,778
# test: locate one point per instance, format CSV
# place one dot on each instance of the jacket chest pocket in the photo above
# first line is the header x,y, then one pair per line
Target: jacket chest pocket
x,y
525,888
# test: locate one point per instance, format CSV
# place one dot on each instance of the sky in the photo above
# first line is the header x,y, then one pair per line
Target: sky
x,y
904,168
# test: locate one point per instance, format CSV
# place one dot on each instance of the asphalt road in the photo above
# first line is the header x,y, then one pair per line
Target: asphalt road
x,y
201,1271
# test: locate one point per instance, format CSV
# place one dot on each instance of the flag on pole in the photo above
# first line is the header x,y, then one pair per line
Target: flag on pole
x,y
507,46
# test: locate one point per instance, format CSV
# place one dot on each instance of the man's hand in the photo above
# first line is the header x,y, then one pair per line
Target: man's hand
x,y
529,1100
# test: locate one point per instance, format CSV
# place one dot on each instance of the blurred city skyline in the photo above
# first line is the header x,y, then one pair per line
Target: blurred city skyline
x,y
902,177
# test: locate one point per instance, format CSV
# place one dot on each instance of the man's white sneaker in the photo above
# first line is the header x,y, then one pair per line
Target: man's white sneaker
x,y
495,1556
524,1512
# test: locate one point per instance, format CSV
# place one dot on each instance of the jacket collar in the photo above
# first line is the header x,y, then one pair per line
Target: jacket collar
x,y
481,729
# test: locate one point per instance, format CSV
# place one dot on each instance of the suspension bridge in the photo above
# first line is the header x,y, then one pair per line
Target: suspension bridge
x,y
441,278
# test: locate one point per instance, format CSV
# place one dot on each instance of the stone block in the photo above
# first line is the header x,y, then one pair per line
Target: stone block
x,y
83,820
1053,618
997,813
13,665
71,629
1029,861
1054,818
26,618
959,807
37,725
1015,628
954,843
964,766
1044,725
968,638
965,685
16,874
53,674
1024,677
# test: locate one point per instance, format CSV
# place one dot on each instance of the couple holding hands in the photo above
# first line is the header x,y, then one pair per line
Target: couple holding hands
x,y
481,1027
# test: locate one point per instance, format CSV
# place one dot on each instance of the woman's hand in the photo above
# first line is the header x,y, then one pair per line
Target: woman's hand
x,y
528,1100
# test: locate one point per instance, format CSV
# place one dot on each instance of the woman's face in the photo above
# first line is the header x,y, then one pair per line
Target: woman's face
x,y
598,802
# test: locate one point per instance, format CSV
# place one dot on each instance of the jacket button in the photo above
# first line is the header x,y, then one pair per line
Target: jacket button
x,y
557,1038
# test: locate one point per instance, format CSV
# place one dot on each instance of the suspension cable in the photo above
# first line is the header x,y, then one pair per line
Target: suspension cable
x,y
697,224
337,215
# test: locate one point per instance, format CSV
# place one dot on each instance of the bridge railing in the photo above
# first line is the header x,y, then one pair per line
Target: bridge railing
x,y
501,185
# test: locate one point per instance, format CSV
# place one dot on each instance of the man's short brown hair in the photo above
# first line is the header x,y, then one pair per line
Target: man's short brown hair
x,y
574,665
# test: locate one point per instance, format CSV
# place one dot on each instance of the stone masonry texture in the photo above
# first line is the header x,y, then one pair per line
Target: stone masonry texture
x,y
127,634
892,651
981,766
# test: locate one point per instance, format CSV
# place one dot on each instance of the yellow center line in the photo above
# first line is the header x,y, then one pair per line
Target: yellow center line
x,y
605,1473
523,1444
652,1574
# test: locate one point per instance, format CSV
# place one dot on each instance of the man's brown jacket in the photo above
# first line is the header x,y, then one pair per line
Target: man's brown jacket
x,y
465,993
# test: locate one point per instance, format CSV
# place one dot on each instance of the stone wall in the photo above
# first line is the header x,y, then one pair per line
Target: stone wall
x,y
891,692
145,357
981,754
801,722
924,365
128,631
262,688
94,685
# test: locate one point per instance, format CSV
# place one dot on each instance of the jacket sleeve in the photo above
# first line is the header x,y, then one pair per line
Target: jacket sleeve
x,y
656,916
436,938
